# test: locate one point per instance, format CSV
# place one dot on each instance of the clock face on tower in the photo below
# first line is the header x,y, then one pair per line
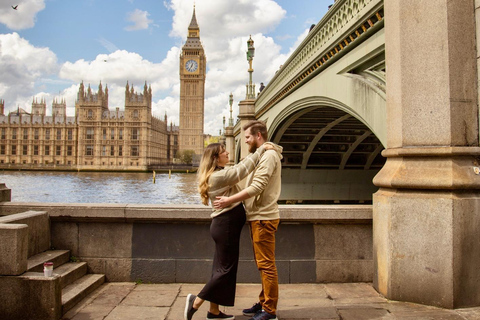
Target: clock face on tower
x,y
191,65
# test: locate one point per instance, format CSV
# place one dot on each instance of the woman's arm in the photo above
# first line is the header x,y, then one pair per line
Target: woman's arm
x,y
223,202
232,175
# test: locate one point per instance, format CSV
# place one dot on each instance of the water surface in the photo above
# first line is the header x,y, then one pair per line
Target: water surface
x,y
101,187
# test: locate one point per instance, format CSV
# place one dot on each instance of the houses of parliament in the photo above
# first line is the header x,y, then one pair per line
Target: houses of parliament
x,y
97,138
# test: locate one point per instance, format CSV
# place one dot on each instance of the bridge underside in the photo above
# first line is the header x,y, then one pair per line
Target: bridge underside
x,y
329,157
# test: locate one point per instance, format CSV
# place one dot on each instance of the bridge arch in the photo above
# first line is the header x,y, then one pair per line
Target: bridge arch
x,y
330,153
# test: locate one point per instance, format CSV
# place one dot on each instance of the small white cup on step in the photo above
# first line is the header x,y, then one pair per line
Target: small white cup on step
x,y
48,269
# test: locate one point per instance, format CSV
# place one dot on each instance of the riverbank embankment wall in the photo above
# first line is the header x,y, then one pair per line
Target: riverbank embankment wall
x,y
172,243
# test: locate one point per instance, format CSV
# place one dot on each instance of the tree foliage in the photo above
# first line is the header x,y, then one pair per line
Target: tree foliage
x,y
185,156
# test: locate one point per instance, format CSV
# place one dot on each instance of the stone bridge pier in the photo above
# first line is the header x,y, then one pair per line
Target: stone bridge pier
x,y
426,214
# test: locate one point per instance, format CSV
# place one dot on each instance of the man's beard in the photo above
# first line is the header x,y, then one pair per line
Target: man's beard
x,y
252,148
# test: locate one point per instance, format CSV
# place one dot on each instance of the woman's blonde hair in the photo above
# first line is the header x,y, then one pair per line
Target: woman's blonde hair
x,y
207,167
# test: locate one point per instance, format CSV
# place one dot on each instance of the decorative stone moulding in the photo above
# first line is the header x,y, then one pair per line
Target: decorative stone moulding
x,y
294,73
434,168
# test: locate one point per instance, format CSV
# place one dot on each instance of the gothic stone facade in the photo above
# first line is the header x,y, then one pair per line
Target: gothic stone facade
x,y
94,139
192,91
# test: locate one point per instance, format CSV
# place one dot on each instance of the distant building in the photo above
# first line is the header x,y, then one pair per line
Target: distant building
x,y
96,138
193,64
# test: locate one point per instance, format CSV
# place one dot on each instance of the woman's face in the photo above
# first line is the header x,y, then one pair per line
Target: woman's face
x,y
223,158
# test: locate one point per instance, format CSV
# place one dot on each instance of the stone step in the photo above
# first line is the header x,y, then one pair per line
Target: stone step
x,y
76,291
58,257
70,272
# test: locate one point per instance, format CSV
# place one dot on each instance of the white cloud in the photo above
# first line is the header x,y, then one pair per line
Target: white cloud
x,y
23,17
224,30
221,19
21,65
140,20
116,68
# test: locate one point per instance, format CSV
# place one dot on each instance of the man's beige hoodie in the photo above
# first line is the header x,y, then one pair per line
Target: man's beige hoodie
x,y
264,185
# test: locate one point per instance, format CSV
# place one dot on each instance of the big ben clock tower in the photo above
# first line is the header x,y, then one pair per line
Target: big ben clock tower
x,y
192,91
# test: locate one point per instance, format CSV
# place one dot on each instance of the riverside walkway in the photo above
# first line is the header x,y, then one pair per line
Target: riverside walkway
x,y
348,301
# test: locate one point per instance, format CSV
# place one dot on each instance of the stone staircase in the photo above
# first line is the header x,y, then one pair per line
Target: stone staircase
x,y
76,284
25,293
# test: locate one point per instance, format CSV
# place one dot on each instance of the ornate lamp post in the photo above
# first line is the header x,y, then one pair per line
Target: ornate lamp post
x,y
230,100
250,55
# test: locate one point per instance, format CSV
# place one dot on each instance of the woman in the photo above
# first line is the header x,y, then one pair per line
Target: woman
x,y
225,229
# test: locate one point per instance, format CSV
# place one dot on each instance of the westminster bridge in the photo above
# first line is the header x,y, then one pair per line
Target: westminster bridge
x,y
382,98
327,107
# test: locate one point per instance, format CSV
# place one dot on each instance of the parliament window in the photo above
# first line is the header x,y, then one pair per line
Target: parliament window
x,y
120,151
14,134
69,151
112,134
89,150
120,134
2,149
134,151
47,150
3,134
59,134
36,134
112,150
134,134
90,134
59,151
35,150
14,150
47,134
25,150
70,134
25,134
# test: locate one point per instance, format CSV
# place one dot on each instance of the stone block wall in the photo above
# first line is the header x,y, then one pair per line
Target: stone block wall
x,y
165,244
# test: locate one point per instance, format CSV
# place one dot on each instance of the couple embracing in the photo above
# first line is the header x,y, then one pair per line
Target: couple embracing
x,y
219,186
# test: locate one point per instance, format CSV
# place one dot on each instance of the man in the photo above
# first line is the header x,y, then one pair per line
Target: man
x,y
260,197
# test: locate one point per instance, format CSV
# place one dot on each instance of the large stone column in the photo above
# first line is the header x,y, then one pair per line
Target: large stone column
x,y
246,114
426,214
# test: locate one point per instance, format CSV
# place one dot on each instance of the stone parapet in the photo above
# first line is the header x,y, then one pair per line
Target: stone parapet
x,y
14,249
38,229
5,193
30,296
172,243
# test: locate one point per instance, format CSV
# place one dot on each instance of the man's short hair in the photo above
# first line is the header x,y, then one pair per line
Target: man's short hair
x,y
257,126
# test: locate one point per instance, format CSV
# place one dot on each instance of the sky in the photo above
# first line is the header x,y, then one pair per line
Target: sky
x,y
48,47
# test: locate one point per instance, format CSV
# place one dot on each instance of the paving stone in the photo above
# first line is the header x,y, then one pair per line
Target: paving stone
x,y
92,311
150,298
114,294
470,313
362,313
312,312
347,301
159,287
138,313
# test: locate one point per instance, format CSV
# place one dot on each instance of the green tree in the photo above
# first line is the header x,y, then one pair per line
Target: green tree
x,y
211,139
186,156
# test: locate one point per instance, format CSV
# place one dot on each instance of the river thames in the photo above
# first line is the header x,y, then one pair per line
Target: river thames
x,y
101,187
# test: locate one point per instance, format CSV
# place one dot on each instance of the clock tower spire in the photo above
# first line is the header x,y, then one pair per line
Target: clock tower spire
x,y
192,91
